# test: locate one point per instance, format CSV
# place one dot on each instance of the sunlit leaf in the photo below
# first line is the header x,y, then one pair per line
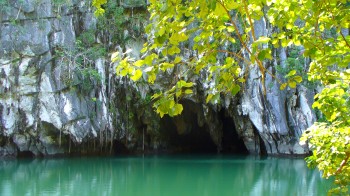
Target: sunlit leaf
x,y
139,63
209,97
235,89
298,79
283,86
292,84
188,91
291,73
137,75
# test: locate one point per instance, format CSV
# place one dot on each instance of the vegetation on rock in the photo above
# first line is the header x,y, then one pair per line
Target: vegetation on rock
x,y
226,29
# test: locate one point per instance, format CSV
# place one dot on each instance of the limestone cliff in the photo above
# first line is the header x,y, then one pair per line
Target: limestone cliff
x,y
59,94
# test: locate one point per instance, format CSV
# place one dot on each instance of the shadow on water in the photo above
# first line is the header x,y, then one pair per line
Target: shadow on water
x,y
160,175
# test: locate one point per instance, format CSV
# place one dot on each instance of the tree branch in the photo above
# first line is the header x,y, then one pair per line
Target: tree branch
x,y
260,64
342,164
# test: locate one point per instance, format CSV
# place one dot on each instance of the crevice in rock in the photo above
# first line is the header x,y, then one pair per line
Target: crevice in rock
x,y
188,134
2,141
184,135
231,141
25,154
260,142
119,148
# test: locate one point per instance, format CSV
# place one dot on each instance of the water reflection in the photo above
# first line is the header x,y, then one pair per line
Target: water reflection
x,y
175,175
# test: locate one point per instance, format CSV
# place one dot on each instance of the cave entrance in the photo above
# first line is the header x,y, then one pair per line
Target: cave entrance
x,y
231,142
183,133
25,154
195,140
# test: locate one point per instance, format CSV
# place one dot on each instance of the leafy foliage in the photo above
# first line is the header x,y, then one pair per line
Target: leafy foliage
x,y
321,28
98,5
81,60
174,22
118,24
296,61
4,5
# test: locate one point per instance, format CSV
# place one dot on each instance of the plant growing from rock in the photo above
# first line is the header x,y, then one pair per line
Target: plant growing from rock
x,y
212,24
81,61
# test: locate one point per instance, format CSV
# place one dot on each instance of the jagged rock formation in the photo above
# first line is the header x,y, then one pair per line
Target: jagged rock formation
x,y
55,98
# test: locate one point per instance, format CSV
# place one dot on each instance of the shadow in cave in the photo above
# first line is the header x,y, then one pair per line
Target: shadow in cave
x,y
195,140
231,141
259,142
25,154
185,135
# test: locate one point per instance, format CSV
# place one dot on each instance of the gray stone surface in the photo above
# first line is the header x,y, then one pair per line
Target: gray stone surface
x,y
45,110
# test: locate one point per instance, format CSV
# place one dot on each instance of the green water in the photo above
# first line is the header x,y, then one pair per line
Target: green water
x,y
160,175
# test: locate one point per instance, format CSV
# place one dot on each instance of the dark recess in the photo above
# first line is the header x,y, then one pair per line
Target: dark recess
x,y
231,142
25,154
119,148
195,140
260,142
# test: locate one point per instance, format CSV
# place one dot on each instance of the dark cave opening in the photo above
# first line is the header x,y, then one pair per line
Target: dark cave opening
x,y
185,135
195,139
231,141
25,154
119,148
260,142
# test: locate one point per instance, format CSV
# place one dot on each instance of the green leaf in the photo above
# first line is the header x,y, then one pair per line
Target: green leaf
x,y
177,60
262,40
156,95
211,4
178,94
291,73
298,79
139,63
316,104
174,50
289,26
235,89
241,80
161,114
188,91
182,83
151,78
264,54
175,110
165,66
292,84
197,39
137,75
178,109
144,50
230,29
221,12
232,5
161,31
283,86
209,97
286,42
148,60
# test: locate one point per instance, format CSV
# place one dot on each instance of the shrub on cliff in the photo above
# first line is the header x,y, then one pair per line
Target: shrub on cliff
x,y
226,28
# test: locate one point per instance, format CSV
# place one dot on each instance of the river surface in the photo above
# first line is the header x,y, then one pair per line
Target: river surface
x,y
192,175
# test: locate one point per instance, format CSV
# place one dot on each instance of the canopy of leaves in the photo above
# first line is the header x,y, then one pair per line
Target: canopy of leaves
x,y
98,5
222,36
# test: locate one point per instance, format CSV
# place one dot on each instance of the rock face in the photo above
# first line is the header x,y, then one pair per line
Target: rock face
x,y
57,98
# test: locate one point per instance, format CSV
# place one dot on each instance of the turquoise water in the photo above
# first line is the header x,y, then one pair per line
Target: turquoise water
x,y
160,175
